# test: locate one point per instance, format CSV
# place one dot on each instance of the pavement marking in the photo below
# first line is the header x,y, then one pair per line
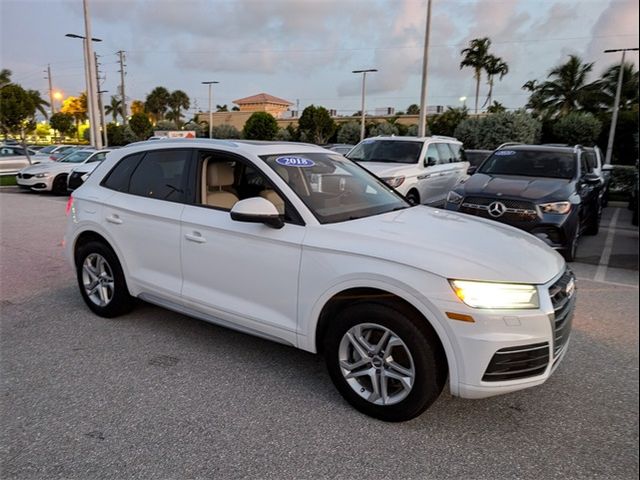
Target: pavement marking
x,y
606,282
601,272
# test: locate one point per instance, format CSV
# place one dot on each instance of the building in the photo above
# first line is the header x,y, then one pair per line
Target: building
x,y
263,102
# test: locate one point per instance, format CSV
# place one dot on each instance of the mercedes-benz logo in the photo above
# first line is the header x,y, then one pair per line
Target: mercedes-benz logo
x,y
497,209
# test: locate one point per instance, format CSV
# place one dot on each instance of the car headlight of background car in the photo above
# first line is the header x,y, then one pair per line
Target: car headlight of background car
x,y
496,295
42,175
393,182
559,208
454,198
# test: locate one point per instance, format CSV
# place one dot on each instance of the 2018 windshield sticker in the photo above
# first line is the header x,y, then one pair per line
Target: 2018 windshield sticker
x,y
505,153
295,162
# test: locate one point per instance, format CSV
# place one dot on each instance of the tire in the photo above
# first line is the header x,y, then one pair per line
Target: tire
x,y
416,351
571,249
594,223
111,297
59,186
413,197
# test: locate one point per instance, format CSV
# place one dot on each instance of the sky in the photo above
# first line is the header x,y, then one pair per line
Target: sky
x,y
304,50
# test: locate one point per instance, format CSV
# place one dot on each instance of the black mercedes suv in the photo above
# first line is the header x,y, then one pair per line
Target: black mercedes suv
x,y
549,192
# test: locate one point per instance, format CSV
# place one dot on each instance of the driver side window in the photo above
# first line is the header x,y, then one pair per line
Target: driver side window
x,y
433,157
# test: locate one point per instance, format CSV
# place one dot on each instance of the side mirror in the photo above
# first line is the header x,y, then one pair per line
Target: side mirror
x,y
257,210
430,162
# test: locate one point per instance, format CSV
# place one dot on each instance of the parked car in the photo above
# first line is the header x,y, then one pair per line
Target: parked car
x,y
341,148
14,151
298,245
46,152
79,174
59,155
52,176
548,191
423,169
13,159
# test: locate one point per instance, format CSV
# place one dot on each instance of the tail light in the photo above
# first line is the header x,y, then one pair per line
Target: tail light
x,y
51,157
69,206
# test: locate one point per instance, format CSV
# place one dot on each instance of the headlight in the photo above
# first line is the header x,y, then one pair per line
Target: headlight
x,y
453,197
559,208
42,175
393,182
496,295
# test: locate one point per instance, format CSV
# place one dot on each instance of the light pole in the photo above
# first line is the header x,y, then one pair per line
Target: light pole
x,y
210,83
93,118
422,125
102,118
364,85
616,103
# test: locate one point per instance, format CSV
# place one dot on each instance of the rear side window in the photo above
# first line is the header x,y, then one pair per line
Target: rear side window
x,y
433,157
445,153
118,178
591,160
458,152
161,174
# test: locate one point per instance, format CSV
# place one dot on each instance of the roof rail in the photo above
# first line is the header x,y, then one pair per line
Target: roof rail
x,y
444,137
508,144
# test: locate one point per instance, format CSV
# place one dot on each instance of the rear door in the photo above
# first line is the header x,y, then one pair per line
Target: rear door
x,y
143,217
458,166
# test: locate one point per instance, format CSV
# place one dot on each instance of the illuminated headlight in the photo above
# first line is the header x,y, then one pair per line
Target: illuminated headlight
x,y
42,175
496,295
393,182
453,197
559,208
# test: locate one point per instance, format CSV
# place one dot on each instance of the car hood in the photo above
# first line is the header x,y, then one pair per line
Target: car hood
x,y
386,169
49,167
529,188
448,244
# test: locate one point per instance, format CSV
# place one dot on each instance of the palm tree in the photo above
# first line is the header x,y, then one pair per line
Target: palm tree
x,y
530,86
157,102
609,85
567,88
38,102
222,108
494,66
178,100
114,108
5,77
475,56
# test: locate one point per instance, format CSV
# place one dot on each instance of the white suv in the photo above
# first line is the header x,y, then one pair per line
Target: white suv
x,y
423,169
299,245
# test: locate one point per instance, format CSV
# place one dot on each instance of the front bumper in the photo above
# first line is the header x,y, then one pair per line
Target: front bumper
x,y
31,181
509,350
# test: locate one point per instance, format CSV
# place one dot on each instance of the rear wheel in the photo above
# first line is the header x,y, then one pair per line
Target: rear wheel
x,y
383,362
101,280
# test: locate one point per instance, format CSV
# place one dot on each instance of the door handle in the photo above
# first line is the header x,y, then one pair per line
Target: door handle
x,y
115,219
195,237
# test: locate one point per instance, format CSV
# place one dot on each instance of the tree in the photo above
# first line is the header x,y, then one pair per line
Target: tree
x,y
137,106
283,135
62,123
141,125
445,123
475,56
114,108
413,109
235,109
166,125
578,128
487,133
260,126
157,103
496,107
5,77
222,108
494,66
225,131
17,112
384,128
316,124
178,100
76,107
629,92
567,89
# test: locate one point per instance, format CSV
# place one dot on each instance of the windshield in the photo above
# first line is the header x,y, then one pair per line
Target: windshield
x,y
531,164
48,149
75,157
392,151
334,188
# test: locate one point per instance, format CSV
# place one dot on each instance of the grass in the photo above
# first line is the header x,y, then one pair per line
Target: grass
x,y
7,180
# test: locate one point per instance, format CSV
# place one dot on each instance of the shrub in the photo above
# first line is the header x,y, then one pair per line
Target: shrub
x,y
349,132
225,131
446,123
625,146
166,125
384,128
577,128
317,124
412,131
196,127
489,132
622,180
260,126
283,135
140,126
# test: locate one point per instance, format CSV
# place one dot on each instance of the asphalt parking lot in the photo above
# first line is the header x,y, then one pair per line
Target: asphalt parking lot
x,y
156,394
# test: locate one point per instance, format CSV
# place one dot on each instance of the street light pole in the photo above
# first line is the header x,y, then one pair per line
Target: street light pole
x,y
210,83
422,125
616,103
364,88
87,75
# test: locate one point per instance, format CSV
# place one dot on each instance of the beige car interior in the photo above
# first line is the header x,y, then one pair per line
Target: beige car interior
x,y
218,187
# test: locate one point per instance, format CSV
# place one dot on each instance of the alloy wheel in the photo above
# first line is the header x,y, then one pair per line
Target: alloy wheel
x,y
97,279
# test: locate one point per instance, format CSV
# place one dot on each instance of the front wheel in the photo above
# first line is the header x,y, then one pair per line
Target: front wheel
x,y
571,249
383,362
59,186
413,197
101,280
